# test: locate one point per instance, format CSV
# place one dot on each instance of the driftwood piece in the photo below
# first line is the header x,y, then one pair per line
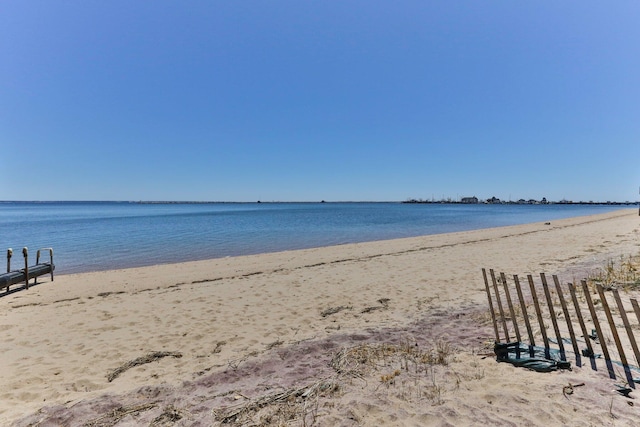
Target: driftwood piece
x,y
114,416
151,357
232,415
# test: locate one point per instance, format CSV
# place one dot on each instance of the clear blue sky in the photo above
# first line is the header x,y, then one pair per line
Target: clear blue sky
x,y
310,100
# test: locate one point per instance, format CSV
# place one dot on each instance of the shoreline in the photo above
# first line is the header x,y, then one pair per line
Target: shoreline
x,y
313,248
62,338
128,237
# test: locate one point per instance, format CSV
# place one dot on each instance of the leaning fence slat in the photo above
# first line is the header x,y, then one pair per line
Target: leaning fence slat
x,y
616,337
612,325
514,319
493,314
636,308
565,310
536,304
551,307
583,327
552,312
627,325
596,323
499,302
523,307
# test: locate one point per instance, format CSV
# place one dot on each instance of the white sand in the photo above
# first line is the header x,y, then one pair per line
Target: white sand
x,y
249,326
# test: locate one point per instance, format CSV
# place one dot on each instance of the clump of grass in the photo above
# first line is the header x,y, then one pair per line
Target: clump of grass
x,y
624,273
404,369
363,359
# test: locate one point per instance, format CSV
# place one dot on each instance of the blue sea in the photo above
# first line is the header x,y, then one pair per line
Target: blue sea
x,y
93,236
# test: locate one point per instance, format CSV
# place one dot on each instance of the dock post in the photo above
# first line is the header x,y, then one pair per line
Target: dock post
x,y
9,255
25,254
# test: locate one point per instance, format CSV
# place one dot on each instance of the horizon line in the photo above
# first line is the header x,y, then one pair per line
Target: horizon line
x,y
407,201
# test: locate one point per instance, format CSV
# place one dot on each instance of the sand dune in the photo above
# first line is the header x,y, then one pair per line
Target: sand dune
x,y
245,334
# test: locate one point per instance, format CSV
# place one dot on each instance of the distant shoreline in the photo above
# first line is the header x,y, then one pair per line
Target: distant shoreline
x,y
502,202
410,201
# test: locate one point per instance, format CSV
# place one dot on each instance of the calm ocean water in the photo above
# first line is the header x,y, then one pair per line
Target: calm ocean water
x,y
91,236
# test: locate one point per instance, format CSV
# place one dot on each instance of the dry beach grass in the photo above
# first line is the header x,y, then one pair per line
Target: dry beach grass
x,y
383,333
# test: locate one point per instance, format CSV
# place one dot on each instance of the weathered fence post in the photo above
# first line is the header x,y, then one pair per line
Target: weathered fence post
x,y
596,323
612,325
511,310
565,310
536,304
583,327
636,309
616,337
627,325
493,314
523,307
499,302
554,321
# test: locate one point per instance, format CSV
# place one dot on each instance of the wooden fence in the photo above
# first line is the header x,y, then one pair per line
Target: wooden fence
x,y
581,307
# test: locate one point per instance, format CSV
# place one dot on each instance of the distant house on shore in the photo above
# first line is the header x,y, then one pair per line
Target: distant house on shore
x,y
469,200
493,200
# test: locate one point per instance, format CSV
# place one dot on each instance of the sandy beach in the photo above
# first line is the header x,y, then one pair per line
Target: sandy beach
x,y
273,339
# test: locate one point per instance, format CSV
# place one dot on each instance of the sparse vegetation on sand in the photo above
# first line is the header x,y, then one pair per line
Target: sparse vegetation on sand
x,y
405,370
623,273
